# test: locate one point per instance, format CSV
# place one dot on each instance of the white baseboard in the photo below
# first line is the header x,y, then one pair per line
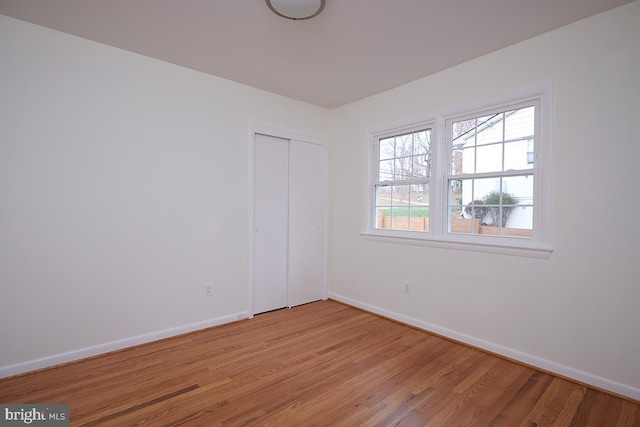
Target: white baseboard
x,y
70,356
528,359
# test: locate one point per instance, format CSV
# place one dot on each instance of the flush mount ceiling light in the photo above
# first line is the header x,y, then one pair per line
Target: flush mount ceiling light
x,y
296,9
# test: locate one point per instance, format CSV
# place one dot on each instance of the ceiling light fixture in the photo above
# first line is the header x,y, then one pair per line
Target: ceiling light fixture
x,y
296,9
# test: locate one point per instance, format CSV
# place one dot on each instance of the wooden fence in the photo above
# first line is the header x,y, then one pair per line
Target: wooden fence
x,y
458,225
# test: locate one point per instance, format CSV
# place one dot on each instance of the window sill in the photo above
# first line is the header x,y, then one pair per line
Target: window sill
x,y
502,247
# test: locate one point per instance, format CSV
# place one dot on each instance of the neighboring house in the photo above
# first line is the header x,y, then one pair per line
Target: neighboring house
x,y
498,138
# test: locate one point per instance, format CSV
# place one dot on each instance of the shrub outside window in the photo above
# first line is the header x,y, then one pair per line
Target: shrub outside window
x,y
491,175
475,181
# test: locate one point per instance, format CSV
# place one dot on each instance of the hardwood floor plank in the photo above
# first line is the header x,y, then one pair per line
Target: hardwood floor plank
x,y
317,364
523,401
593,408
629,414
550,403
506,382
155,401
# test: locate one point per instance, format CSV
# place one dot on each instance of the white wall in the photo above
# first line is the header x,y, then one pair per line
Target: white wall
x,y
123,188
575,313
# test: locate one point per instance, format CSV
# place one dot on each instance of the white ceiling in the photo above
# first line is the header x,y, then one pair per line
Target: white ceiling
x,y
354,49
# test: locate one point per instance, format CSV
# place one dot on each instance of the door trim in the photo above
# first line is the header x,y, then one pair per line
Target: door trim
x,y
289,134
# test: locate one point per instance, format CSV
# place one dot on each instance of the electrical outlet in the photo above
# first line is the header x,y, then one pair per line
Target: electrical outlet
x,y
208,289
407,287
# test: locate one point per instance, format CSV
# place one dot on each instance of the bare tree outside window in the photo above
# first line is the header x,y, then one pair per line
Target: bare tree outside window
x,y
402,191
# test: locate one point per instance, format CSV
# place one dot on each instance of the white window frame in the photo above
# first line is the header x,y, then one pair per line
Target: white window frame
x,y
538,246
376,160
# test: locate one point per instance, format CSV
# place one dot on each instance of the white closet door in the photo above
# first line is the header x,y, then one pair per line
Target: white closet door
x,y
306,196
271,223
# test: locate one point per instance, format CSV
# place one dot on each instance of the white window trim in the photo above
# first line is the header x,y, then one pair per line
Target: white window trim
x,y
437,237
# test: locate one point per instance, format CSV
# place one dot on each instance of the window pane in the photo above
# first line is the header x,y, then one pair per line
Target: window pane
x,y
421,166
422,154
516,155
475,210
401,195
385,172
419,195
463,128
455,192
461,225
483,187
466,192
520,222
422,142
455,211
519,123
419,218
458,161
387,148
489,129
503,204
404,145
520,187
383,195
469,190
399,219
419,210
489,158
404,168
463,161
383,218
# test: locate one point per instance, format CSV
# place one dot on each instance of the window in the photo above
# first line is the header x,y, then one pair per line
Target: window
x,y
471,181
490,181
402,180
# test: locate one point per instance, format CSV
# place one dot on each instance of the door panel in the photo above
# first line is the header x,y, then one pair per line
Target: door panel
x,y
271,223
306,195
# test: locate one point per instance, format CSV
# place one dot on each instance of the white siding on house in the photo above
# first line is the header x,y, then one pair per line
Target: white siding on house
x,y
517,124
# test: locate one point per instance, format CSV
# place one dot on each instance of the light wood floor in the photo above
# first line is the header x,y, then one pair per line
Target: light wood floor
x,y
318,364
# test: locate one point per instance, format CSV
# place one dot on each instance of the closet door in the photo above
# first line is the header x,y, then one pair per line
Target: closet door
x,y
306,206
271,222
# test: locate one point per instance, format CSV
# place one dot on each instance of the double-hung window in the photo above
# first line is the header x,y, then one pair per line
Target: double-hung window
x,y
490,179
471,181
403,173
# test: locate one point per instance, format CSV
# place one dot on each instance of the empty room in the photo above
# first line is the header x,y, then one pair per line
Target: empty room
x,y
319,212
